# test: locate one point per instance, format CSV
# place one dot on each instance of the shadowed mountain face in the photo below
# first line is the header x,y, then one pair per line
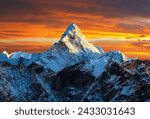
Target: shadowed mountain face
x,y
73,70
116,83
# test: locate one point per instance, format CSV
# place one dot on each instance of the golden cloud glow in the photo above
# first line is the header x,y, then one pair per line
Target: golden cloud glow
x,y
26,20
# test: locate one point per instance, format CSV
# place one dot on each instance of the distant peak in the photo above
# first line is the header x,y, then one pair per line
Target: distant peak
x,y
7,54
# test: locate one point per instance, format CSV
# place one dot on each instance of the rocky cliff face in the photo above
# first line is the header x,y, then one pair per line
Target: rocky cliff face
x,y
116,83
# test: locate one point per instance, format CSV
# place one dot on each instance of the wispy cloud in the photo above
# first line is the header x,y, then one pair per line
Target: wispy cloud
x,y
142,44
53,17
26,23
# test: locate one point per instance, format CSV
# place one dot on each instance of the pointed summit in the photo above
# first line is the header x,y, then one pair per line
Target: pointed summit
x,y
7,54
69,50
72,32
74,41
71,28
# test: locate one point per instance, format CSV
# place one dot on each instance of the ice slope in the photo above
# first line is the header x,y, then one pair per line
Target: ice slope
x,y
96,67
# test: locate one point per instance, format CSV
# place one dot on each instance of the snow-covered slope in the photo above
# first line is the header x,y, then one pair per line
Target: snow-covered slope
x,y
100,49
20,54
20,83
118,56
96,66
117,82
69,50
7,54
3,57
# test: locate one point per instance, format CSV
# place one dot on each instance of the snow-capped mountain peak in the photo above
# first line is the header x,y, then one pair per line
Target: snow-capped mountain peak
x,y
75,42
72,48
73,31
7,54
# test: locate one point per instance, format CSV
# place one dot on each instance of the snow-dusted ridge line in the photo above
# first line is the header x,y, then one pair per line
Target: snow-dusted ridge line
x,y
72,48
7,54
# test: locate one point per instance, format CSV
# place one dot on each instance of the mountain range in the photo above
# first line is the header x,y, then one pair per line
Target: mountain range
x,y
73,70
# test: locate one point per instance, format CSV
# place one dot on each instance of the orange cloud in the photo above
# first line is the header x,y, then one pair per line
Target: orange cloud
x,y
30,19
129,48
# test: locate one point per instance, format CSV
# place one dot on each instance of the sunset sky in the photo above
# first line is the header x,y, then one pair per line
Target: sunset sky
x,y
34,25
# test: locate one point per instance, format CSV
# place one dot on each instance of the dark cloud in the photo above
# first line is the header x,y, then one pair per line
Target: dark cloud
x,y
129,26
142,44
9,34
24,47
10,31
39,10
58,13
124,8
142,36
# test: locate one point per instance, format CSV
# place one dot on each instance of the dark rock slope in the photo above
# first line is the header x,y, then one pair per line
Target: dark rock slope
x,y
129,81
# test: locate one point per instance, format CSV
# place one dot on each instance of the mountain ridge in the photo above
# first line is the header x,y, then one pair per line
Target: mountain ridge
x,y
72,48
73,70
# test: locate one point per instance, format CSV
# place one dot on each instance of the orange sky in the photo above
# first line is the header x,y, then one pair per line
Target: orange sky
x,y
30,24
133,49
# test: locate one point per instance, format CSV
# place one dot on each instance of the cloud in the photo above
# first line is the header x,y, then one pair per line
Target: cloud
x,y
24,10
25,46
142,44
90,15
142,35
129,26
